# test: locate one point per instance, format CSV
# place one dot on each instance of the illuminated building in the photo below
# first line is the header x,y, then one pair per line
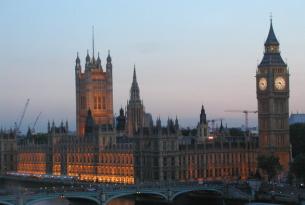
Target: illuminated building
x,y
35,154
93,91
135,150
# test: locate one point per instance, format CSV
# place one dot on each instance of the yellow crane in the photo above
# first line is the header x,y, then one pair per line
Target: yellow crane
x,y
17,126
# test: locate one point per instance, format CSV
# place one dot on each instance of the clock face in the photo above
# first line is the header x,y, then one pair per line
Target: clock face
x,y
262,83
280,83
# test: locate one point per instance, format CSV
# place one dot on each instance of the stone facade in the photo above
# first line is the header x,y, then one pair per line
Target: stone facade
x,y
93,92
163,155
8,150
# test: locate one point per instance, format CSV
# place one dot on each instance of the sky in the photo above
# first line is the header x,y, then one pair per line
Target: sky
x,y
187,53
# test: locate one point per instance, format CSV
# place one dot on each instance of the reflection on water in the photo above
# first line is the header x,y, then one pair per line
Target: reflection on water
x,y
123,201
56,201
185,199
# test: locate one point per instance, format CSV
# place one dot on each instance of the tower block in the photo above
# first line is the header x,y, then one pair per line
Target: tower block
x,y
272,85
93,92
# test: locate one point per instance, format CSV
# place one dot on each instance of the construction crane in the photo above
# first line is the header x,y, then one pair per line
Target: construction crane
x,y
246,112
17,126
213,122
36,120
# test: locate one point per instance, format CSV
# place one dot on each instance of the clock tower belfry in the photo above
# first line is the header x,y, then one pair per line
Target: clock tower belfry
x,y
272,85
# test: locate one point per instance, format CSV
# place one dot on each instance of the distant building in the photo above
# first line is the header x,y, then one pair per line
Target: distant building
x,y
8,151
296,118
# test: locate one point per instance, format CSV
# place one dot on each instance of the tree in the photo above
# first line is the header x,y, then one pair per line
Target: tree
x,y
297,139
270,165
298,167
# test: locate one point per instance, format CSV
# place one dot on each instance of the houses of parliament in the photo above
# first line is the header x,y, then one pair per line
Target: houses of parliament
x,y
132,148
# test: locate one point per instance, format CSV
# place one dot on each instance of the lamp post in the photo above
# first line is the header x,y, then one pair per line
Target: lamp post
x,y
102,197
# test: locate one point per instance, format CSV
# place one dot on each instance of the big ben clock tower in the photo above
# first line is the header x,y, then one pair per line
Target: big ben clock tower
x,y
272,85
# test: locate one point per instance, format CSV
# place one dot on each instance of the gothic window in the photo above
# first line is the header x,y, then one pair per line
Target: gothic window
x,y
173,175
282,107
99,103
95,102
164,162
104,103
156,161
155,145
83,102
173,161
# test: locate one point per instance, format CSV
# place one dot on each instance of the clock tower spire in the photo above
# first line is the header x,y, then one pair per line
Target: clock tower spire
x,y
272,85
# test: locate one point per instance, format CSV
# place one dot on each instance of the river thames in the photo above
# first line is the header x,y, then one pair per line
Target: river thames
x,y
28,188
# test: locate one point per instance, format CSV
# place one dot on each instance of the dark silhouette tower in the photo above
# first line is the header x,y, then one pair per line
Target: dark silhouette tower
x,y
135,108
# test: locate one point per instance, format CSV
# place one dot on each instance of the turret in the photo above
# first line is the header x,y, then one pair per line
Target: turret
x,y
203,117
158,123
78,68
170,126
176,124
99,62
77,62
49,126
67,126
109,63
202,128
134,90
87,58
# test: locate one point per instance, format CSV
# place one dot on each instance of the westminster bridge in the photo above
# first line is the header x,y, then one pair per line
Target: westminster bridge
x,y
104,195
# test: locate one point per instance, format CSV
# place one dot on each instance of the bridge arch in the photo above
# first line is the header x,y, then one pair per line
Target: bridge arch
x,y
67,196
134,193
193,189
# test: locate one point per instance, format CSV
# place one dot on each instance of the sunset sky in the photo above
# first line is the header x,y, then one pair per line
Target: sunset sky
x,y
187,53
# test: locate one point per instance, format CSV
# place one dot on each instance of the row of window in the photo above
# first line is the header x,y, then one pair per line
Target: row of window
x,y
90,158
31,157
214,172
99,102
223,158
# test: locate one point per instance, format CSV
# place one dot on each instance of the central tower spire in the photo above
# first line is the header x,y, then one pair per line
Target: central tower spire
x,y
135,108
134,90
